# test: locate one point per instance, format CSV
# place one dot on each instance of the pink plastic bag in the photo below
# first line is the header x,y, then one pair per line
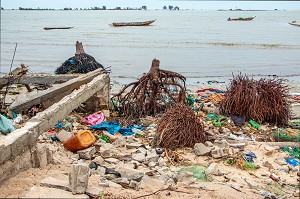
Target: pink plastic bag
x,y
93,119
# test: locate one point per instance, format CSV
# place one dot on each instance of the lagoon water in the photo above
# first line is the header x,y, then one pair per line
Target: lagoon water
x,y
198,44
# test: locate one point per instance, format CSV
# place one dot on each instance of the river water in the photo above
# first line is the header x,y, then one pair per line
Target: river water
x,y
198,44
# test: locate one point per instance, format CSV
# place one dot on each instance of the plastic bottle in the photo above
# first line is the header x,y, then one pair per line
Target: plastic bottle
x,y
254,124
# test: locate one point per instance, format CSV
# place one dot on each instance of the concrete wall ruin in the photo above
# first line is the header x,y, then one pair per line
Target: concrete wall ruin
x,y
18,150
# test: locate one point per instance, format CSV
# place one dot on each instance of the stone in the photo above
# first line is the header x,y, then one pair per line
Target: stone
x,y
92,190
221,144
152,157
41,155
280,161
268,165
134,185
151,164
200,149
124,182
209,144
285,168
111,160
163,178
111,137
99,160
78,178
87,154
105,150
218,153
140,157
211,169
64,135
141,150
134,145
55,183
161,162
114,185
131,174
45,192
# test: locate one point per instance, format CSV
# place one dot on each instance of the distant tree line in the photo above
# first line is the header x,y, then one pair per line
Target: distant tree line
x,y
91,8
171,8
20,8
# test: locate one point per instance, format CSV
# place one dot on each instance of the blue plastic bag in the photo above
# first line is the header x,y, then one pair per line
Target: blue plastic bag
x,y
293,162
111,127
6,125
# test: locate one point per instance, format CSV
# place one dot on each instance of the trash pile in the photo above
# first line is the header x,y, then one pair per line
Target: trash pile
x,y
175,150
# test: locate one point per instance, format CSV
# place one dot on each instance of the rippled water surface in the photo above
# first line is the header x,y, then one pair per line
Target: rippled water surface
x,y
198,44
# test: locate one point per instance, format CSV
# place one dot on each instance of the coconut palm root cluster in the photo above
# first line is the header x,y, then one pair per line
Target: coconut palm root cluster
x,y
152,94
180,127
263,100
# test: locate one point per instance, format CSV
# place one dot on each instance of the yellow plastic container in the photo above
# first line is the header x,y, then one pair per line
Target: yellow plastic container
x,y
82,140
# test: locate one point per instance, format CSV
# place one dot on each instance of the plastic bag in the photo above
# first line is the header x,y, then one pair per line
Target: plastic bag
x,y
6,125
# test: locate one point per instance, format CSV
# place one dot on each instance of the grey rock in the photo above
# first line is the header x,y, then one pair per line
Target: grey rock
x,y
134,185
111,160
280,161
134,145
124,182
211,169
221,144
87,154
99,160
201,149
208,144
131,174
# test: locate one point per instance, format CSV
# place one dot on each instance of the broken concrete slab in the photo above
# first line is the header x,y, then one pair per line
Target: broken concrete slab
x,y
45,192
56,183
131,174
54,94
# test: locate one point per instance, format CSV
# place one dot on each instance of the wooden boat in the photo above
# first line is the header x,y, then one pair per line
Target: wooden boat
x,y
144,23
295,23
241,19
52,28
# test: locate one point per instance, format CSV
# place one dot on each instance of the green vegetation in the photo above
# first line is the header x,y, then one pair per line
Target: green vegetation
x,y
250,166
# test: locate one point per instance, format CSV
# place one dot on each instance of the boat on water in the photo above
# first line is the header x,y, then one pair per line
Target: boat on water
x,y
143,23
295,23
241,19
53,28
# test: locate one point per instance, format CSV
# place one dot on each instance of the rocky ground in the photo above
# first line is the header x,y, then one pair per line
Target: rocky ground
x,y
129,167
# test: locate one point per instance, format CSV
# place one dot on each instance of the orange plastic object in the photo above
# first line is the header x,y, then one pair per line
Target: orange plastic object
x,y
82,140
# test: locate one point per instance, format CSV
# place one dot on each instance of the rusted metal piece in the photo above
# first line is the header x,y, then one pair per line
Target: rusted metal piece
x,y
180,127
151,94
264,100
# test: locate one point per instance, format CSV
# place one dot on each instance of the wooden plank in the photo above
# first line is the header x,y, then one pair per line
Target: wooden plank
x,y
53,94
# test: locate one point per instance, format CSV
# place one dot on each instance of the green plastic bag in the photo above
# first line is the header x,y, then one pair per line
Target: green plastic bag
x,y
6,125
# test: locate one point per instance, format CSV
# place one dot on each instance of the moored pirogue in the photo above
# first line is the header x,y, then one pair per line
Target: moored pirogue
x,y
241,19
143,23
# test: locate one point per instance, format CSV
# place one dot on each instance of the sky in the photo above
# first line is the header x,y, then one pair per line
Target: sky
x,y
152,4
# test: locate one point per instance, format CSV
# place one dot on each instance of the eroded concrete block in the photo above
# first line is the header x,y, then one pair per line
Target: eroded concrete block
x,y
78,178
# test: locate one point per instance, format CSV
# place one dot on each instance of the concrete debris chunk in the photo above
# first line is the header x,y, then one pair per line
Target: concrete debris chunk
x,y
131,174
78,178
201,149
87,154
45,192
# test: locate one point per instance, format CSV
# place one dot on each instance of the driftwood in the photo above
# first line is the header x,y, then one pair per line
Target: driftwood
x,y
80,63
151,94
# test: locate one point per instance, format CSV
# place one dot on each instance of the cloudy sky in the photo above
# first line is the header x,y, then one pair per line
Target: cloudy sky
x,y
152,4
